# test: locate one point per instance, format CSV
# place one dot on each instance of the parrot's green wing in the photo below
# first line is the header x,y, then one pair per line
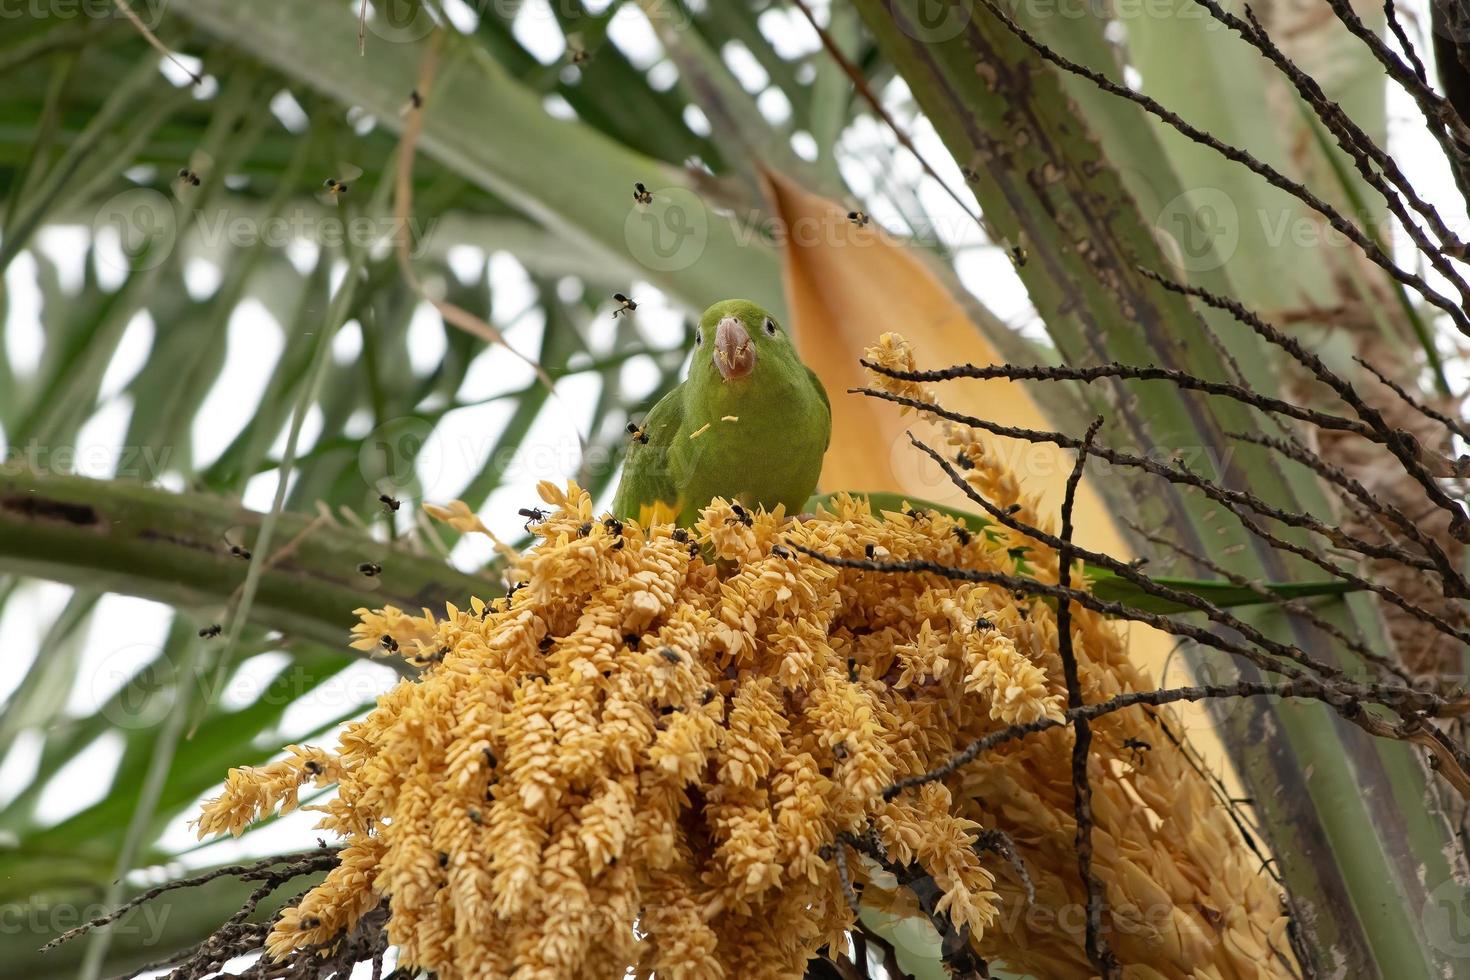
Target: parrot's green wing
x,y
652,473
826,402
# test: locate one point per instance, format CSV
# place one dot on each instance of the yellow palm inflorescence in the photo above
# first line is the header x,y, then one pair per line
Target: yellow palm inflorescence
x,y
643,758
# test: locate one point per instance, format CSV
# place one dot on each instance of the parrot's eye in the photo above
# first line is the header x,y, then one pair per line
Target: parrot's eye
x,y
698,338
770,327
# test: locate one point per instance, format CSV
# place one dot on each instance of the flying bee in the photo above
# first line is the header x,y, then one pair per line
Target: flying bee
x,y
639,436
625,305
577,52
211,631
190,178
236,551
642,195
533,515
858,218
390,503
1016,249
370,569
335,188
332,191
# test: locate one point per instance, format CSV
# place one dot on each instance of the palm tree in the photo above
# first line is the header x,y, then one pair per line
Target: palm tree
x,y
258,363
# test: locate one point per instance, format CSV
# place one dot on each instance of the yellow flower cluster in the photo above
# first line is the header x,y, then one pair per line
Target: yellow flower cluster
x,y
643,757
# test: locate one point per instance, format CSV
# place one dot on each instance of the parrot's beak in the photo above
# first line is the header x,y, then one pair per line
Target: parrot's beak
x,y
734,354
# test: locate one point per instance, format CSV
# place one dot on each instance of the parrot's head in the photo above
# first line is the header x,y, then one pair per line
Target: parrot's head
x,y
736,340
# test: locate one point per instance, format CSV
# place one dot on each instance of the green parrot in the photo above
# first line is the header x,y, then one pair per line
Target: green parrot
x,y
750,424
